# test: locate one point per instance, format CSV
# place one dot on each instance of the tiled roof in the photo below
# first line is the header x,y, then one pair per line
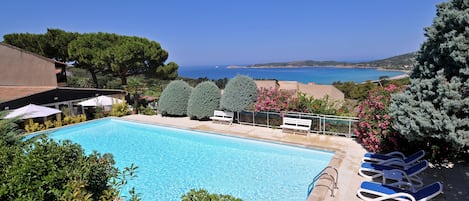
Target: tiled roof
x,y
315,90
288,85
266,84
320,91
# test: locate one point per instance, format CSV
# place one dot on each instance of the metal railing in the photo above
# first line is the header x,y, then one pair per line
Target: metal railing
x,y
321,124
325,175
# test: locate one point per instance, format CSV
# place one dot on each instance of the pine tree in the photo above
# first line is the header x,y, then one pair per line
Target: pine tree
x,y
436,104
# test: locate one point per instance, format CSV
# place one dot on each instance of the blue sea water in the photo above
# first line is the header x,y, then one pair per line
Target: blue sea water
x,y
173,161
319,75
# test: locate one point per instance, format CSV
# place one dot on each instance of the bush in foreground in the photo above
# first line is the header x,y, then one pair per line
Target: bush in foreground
x,y
239,94
42,169
203,100
204,195
174,98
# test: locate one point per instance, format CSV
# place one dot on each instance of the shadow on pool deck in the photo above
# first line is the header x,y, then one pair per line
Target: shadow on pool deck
x,y
455,179
347,159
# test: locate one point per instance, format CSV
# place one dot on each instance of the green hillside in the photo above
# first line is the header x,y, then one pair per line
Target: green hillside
x,y
401,62
397,62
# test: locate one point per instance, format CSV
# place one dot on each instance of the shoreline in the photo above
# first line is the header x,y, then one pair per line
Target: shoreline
x,y
397,77
337,66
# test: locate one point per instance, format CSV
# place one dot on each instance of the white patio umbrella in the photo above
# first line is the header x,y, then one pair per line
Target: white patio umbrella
x,y
32,111
100,101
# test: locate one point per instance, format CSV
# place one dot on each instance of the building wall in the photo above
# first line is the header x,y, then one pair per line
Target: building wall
x,y
21,68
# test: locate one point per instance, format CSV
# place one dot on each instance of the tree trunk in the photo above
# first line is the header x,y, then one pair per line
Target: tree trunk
x,y
95,79
124,80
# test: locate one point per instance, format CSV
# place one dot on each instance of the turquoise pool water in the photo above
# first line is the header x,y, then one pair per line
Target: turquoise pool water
x,y
172,161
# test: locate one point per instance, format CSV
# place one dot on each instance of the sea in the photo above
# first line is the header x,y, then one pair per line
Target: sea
x,y
319,75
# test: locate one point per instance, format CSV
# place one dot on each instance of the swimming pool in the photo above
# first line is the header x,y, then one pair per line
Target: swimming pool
x,y
172,161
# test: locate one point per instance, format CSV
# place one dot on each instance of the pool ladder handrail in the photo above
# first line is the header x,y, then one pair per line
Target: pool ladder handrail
x,y
330,177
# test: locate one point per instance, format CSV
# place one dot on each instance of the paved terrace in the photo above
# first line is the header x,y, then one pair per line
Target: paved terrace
x,y
347,159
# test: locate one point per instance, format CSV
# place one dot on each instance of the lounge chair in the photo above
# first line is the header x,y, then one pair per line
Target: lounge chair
x,y
409,174
376,191
395,158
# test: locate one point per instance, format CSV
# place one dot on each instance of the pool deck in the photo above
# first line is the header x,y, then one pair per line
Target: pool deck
x,y
347,159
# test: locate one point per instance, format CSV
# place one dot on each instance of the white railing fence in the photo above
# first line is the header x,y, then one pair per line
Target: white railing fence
x,y
321,124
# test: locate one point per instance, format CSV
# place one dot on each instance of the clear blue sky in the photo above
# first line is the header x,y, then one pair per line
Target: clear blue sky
x,y
216,32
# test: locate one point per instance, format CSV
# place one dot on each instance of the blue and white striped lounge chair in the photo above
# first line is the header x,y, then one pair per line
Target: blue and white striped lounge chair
x,y
409,174
375,191
394,158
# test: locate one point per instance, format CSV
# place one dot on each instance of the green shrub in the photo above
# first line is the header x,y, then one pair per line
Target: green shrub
x,y
30,126
48,124
204,195
9,132
57,123
67,120
99,112
42,169
119,109
308,104
47,170
239,94
203,100
174,98
147,111
78,119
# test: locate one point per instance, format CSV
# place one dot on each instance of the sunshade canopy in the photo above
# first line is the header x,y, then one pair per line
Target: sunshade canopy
x,y
32,111
100,101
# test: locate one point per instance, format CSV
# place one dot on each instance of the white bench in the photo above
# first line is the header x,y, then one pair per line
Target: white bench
x,y
222,116
296,124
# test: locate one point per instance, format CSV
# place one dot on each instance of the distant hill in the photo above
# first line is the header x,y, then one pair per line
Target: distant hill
x,y
401,62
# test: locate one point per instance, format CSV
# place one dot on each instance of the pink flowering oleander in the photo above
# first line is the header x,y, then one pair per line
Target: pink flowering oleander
x,y
272,100
374,129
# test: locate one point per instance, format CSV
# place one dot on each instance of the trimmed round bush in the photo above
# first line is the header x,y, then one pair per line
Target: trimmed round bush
x,y
174,98
203,100
240,92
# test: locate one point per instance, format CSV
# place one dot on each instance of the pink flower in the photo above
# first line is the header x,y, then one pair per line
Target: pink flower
x,y
390,88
